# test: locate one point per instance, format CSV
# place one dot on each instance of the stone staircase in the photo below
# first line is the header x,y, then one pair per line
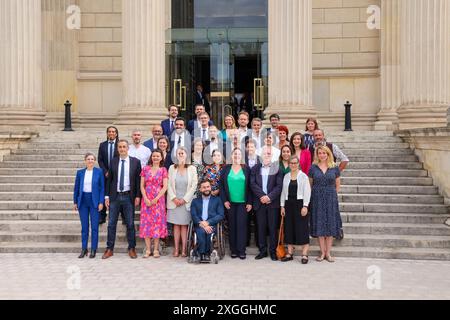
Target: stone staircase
x,y
389,205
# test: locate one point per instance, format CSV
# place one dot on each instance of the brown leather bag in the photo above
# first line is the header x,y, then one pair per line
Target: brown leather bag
x,y
281,250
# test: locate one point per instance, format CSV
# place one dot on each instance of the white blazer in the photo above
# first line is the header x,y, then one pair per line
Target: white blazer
x,y
303,188
192,186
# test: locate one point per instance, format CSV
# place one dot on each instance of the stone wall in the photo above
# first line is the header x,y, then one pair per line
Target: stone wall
x,y
10,141
432,146
346,59
100,58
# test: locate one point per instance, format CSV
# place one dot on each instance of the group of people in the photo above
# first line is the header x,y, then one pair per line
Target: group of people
x,y
195,172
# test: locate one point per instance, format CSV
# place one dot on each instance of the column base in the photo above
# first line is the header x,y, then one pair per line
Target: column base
x,y
292,116
22,120
140,116
424,116
387,120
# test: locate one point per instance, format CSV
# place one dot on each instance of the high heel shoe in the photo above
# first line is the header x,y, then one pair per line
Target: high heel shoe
x,y
83,254
93,253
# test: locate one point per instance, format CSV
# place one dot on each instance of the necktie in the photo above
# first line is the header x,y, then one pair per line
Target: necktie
x,y
111,152
204,134
171,126
122,177
179,141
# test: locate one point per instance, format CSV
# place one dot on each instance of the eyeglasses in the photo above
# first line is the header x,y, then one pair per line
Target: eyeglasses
x,y
293,162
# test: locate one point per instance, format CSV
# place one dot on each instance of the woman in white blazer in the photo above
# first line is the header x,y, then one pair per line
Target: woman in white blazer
x,y
183,182
295,198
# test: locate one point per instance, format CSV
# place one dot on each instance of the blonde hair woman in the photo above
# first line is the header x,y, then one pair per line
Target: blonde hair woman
x,y
325,182
229,124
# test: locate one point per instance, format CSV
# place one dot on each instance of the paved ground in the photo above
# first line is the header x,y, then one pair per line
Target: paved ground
x,y
63,276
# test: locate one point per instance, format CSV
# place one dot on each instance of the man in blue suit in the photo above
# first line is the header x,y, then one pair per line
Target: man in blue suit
x,y
168,125
157,132
207,211
194,123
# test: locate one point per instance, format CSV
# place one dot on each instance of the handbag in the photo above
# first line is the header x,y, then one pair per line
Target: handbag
x,y
281,250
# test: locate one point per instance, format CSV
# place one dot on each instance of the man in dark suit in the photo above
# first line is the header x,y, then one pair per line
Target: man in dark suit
x,y
106,152
194,123
266,182
157,132
213,143
168,125
207,211
201,98
180,138
122,193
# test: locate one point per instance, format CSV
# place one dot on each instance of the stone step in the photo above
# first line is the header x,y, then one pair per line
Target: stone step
x,y
393,207
379,153
76,151
385,173
376,217
37,179
350,145
356,240
42,164
387,158
386,198
343,197
36,187
80,164
347,217
392,181
387,189
73,226
349,189
38,172
46,158
338,251
384,165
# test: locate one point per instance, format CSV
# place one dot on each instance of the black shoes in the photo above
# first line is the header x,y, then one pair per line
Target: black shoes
x,y
102,221
304,259
92,255
260,256
234,256
83,254
205,258
242,257
287,258
273,256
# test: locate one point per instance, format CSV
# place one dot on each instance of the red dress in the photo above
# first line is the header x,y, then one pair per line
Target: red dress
x,y
153,219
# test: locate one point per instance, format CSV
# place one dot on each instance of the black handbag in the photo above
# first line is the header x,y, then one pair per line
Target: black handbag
x,y
341,234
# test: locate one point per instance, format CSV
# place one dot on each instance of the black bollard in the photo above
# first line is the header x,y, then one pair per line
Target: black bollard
x,y
68,118
348,116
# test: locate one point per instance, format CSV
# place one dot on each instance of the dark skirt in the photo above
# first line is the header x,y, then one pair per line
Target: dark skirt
x,y
296,227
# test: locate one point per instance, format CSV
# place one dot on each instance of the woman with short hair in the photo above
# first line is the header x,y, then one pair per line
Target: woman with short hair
x,y
88,199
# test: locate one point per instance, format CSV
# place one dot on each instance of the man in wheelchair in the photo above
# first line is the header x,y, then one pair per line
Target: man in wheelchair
x,y
207,211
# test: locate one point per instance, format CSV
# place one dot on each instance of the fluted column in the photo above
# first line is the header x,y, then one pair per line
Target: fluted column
x,y
425,30
143,62
20,59
290,60
387,118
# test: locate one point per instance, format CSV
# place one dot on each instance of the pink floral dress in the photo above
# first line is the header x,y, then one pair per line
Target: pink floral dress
x,y
154,218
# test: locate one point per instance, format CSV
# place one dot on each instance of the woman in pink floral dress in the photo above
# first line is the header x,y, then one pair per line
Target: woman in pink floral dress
x,y
153,225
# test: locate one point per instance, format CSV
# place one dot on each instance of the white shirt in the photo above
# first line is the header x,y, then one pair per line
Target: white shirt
x,y
213,145
252,161
275,153
257,140
243,133
126,177
142,153
87,186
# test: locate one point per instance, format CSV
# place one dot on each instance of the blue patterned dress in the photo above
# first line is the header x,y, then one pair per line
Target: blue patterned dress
x,y
324,206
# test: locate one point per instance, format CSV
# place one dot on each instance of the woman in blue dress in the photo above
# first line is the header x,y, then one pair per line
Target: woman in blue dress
x,y
326,220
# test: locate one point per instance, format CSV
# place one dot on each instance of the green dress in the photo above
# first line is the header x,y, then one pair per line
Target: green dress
x,y
237,185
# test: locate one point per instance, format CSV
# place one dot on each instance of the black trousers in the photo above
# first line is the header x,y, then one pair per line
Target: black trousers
x,y
267,218
237,223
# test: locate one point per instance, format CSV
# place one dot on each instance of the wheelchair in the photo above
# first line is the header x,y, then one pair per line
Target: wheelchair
x,y
217,245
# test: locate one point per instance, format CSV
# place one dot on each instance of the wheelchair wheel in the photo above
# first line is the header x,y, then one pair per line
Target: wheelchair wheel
x,y
221,241
190,238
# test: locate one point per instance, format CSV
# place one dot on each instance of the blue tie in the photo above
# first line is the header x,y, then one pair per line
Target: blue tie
x,y
122,177
111,152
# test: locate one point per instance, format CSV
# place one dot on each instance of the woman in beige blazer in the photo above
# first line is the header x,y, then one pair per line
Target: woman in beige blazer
x,y
180,193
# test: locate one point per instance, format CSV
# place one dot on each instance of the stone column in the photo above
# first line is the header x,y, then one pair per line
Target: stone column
x,y
387,118
425,46
20,58
290,60
143,62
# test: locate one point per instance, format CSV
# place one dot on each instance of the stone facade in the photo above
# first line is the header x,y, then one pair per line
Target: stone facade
x,y
396,77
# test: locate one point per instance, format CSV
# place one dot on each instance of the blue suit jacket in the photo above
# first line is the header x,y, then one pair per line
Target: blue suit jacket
x,y
215,210
149,144
192,124
165,124
98,187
